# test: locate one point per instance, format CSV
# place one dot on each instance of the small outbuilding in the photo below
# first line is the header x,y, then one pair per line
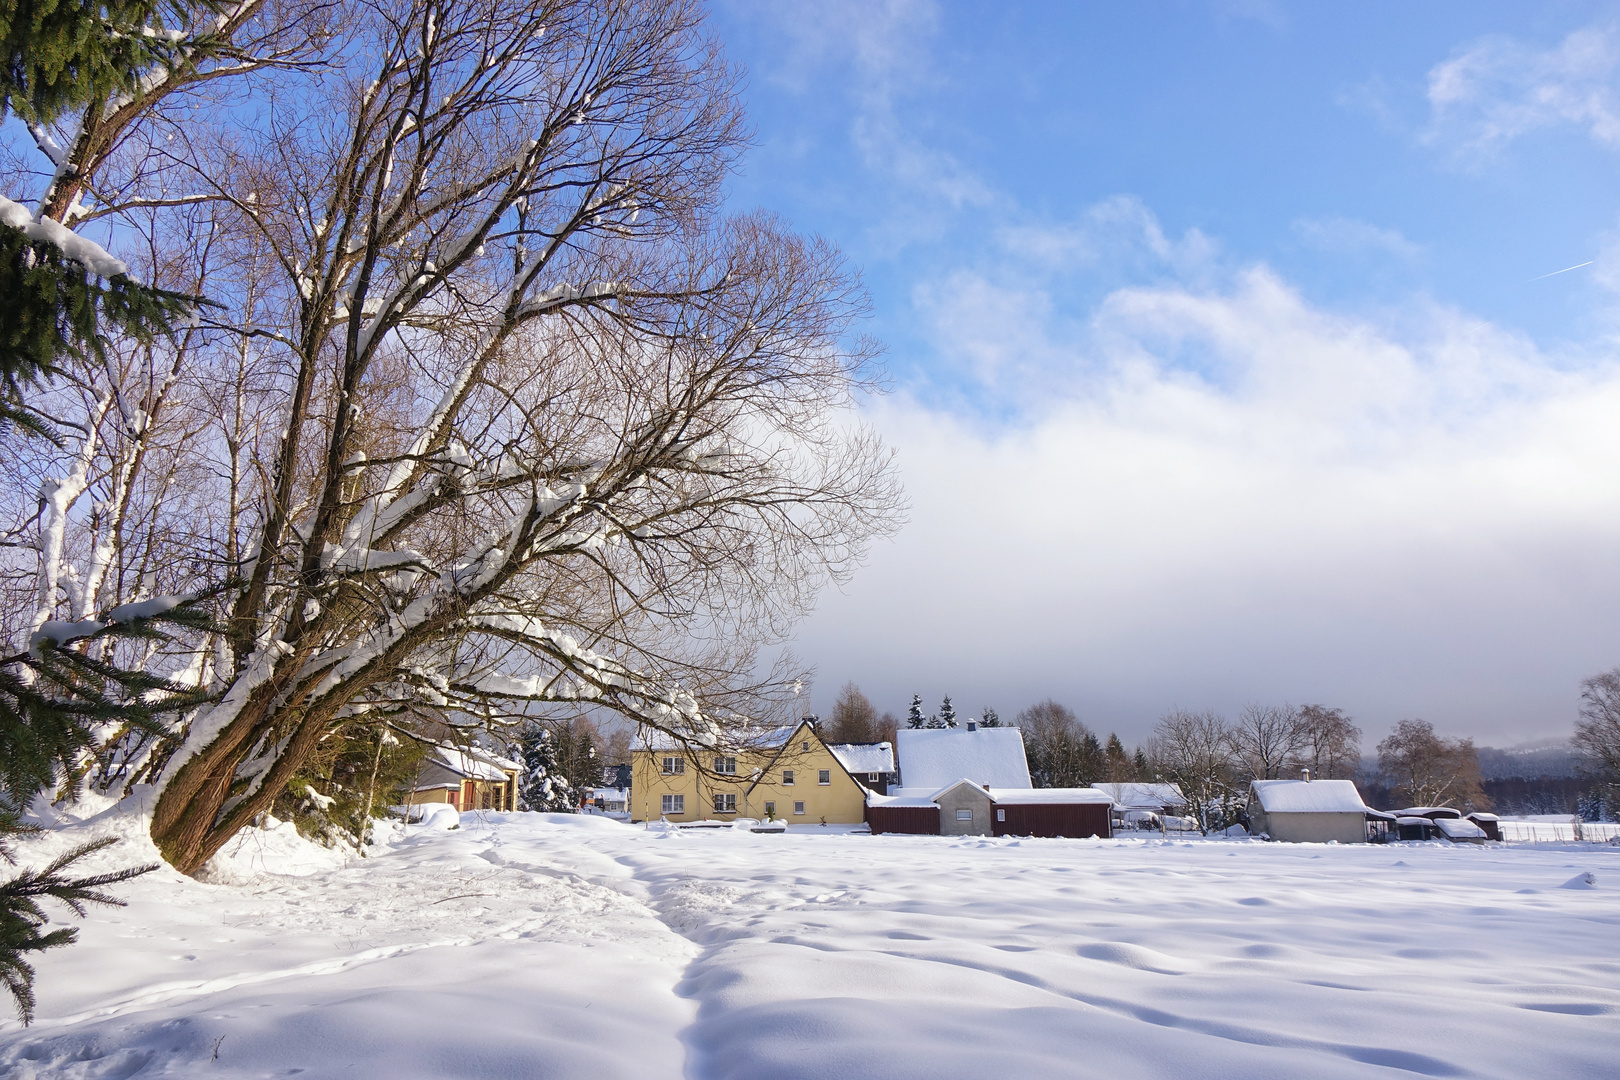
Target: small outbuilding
x,y
1145,805
1445,823
1310,811
1489,824
965,808
469,778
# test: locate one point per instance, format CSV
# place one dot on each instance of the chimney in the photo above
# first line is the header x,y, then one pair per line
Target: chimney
x,y
987,787
973,725
1305,775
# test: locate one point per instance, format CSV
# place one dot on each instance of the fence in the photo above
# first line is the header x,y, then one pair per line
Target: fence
x,y
1567,830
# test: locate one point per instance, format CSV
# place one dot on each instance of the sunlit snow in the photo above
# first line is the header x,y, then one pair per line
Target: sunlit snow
x,y
528,945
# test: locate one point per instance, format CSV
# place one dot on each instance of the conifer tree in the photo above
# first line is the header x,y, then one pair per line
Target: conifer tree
x,y
22,921
1090,761
63,293
543,786
990,718
914,718
947,713
61,55
1117,765
60,292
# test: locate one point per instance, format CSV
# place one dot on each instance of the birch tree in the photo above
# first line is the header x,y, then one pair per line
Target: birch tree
x,y
501,414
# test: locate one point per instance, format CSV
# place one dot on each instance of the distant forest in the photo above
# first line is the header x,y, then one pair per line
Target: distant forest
x,y
1540,779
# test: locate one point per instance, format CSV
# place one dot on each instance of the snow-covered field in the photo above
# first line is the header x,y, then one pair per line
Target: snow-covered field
x,y
528,945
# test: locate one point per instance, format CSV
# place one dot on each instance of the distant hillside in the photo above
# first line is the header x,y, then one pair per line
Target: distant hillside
x,y
1546,758
1536,778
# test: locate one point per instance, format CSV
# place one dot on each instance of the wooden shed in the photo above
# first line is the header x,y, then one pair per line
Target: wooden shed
x,y
1071,812
915,816
964,808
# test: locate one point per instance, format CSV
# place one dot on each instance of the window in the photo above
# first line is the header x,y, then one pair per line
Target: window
x,y
725,804
725,766
874,777
1001,815
805,746
964,815
674,804
824,777
798,808
787,777
770,809
674,766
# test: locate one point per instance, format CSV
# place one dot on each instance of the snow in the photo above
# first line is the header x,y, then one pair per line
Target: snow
x,y
932,758
864,757
1309,797
532,945
1458,829
87,253
1137,796
475,764
1048,796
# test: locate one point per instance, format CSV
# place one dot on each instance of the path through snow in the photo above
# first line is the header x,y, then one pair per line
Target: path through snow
x,y
552,946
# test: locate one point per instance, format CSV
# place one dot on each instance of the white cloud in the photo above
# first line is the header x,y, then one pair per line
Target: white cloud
x,y
879,55
1351,237
1251,498
1498,89
1119,229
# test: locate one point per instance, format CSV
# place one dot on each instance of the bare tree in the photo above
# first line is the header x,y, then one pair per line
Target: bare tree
x,y
1597,733
1062,751
886,728
1425,770
853,718
502,415
1331,742
1195,751
1268,740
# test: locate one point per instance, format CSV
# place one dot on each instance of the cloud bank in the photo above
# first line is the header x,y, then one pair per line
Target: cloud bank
x,y
1216,494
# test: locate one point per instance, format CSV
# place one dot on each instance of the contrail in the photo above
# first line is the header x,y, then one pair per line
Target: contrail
x,y
1565,270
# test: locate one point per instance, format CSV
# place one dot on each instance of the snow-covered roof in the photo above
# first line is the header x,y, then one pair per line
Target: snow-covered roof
x,y
909,796
1136,796
1308,797
474,764
1057,796
743,737
864,757
1429,812
1458,829
934,757
891,799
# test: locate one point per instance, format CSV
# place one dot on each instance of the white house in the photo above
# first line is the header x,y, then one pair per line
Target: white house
x,y
1309,811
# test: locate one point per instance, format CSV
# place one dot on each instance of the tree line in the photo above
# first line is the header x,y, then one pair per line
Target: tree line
x,y
1213,759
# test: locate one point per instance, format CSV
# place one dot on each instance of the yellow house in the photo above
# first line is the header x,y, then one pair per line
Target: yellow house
x,y
468,778
795,778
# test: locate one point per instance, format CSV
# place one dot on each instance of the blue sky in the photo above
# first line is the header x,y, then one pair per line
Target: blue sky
x,y
1225,367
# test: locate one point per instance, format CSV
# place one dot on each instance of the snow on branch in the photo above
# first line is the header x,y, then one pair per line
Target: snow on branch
x,y
61,632
87,253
